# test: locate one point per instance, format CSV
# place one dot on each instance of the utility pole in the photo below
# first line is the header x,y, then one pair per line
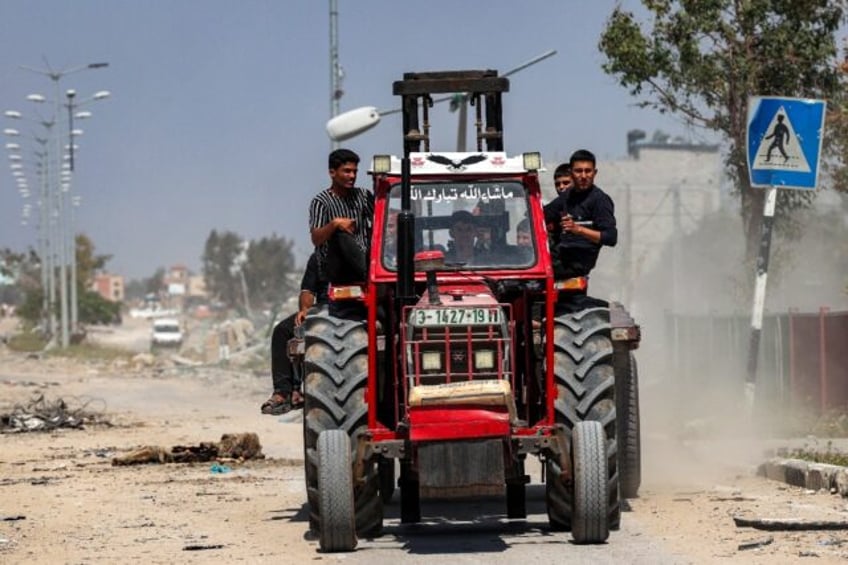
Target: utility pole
x,y
627,256
676,257
676,260
335,70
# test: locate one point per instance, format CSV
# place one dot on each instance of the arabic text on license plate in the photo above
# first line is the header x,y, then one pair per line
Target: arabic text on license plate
x,y
456,316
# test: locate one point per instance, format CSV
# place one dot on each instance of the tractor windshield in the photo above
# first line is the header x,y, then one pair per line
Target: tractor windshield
x,y
479,225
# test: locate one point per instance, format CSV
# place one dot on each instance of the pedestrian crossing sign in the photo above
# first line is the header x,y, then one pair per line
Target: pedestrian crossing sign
x,y
784,141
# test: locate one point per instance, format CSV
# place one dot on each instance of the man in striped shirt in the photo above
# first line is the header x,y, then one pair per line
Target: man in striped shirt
x,y
340,222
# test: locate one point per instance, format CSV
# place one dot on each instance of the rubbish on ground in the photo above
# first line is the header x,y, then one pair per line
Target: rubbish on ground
x,y
218,469
12,518
235,447
43,415
199,547
753,544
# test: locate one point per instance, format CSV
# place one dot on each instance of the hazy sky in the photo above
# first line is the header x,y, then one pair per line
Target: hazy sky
x,y
218,107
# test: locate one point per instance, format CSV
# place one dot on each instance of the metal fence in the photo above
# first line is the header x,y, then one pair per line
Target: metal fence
x,y
803,360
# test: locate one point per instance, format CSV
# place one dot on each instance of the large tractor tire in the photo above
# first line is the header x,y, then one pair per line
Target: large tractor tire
x,y
337,526
585,382
336,367
629,440
590,521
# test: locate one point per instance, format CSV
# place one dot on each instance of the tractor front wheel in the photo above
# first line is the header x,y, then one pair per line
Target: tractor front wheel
x,y
337,518
590,522
336,366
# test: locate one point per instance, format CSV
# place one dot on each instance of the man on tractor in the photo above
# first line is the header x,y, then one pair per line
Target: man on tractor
x,y
340,222
582,219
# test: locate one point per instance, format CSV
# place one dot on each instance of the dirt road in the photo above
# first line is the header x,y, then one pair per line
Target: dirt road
x,y
61,500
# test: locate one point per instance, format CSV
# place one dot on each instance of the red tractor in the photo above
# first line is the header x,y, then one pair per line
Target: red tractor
x,y
459,366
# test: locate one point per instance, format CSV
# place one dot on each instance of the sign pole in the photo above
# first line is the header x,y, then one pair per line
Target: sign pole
x,y
760,295
784,142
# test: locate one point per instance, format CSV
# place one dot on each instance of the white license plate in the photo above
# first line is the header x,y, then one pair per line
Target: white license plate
x,y
434,317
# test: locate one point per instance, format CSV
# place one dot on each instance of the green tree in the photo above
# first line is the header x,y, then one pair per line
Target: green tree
x,y
88,262
219,266
137,289
702,59
268,262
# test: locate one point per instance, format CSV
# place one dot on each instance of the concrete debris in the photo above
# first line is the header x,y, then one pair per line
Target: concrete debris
x,y
841,482
143,360
805,474
233,447
789,524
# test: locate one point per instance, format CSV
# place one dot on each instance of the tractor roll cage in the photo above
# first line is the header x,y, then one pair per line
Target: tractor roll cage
x,y
480,88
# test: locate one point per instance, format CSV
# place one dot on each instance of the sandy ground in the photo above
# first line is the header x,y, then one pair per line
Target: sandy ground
x,y
61,500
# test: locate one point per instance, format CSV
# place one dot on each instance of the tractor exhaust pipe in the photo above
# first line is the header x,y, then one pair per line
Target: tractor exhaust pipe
x,y
406,239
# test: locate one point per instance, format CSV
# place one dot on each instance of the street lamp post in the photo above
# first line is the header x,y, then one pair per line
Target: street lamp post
x,y
46,213
353,122
75,202
59,194
72,240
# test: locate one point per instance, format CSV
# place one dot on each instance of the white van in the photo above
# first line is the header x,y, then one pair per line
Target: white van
x,y
167,332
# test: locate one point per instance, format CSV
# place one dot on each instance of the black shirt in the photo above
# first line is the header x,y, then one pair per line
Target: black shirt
x,y
590,205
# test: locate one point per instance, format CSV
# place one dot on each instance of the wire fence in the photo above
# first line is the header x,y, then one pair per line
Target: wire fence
x,y
803,361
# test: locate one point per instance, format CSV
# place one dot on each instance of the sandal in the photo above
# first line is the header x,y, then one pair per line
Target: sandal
x,y
297,400
278,404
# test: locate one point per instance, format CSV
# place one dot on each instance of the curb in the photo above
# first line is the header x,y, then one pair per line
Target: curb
x,y
805,474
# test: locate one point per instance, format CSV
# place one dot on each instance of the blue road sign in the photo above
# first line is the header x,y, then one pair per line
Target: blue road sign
x,y
784,141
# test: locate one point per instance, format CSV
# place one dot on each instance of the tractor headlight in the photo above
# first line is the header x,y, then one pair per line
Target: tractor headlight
x,y
484,359
532,161
431,361
382,163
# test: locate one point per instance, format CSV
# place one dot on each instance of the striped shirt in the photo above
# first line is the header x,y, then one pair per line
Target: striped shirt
x,y
358,205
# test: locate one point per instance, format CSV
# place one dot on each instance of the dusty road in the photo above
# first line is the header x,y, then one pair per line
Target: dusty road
x,y
61,500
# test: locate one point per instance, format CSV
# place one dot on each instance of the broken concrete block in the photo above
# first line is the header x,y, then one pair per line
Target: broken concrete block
x,y
821,476
796,472
143,360
841,480
773,469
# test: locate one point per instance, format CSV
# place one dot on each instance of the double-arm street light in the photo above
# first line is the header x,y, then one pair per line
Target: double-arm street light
x,y
72,105
47,212
57,188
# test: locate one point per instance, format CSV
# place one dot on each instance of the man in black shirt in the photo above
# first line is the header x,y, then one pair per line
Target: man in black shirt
x,y
582,219
287,393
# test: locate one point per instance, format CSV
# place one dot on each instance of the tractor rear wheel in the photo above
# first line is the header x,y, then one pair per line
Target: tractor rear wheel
x,y
590,522
585,382
336,375
629,440
337,518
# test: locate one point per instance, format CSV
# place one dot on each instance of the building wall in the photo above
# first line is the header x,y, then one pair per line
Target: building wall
x,y
197,286
661,190
109,286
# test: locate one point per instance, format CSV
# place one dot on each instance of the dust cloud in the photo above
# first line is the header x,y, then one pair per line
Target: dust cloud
x,y
695,310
